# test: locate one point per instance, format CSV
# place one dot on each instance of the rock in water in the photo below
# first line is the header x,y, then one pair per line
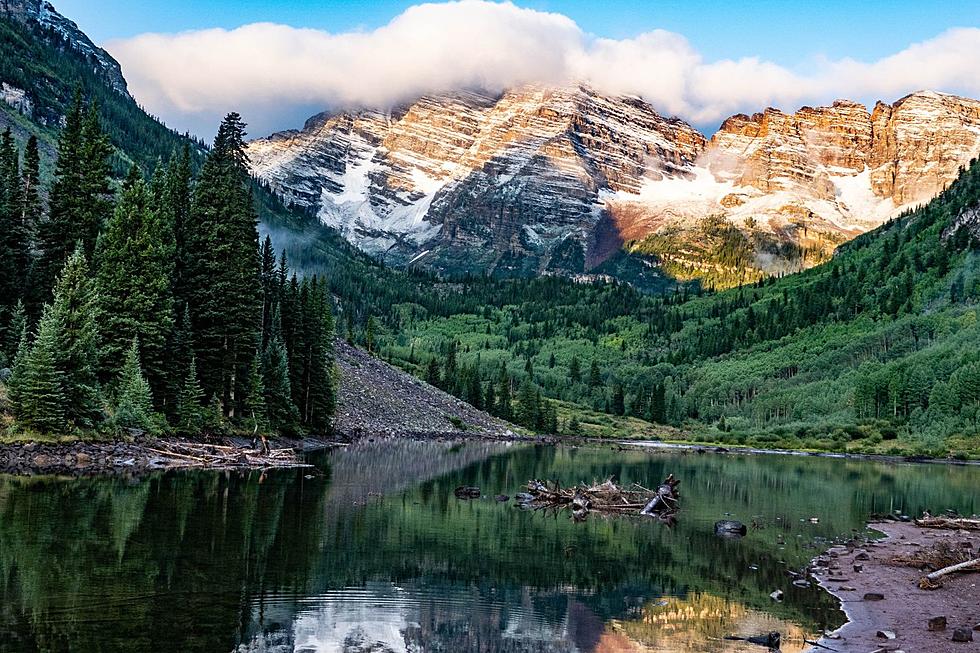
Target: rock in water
x,y
730,528
962,635
467,492
937,623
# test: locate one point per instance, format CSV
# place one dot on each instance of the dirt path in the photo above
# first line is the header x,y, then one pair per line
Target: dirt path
x,y
904,610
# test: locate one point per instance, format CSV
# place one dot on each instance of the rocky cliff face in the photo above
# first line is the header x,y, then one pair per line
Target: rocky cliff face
x,y
42,13
543,179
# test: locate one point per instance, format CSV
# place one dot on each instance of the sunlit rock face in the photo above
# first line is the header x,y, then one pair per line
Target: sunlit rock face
x,y
537,180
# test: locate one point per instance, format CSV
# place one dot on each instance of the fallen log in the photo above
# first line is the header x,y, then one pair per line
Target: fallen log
x,y
932,581
665,499
949,523
605,497
186,454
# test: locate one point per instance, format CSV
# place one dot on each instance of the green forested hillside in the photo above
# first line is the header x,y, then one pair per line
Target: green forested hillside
x,y
877,349
39,62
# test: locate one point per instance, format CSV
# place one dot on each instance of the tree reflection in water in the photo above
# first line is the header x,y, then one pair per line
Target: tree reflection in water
x,y
375,554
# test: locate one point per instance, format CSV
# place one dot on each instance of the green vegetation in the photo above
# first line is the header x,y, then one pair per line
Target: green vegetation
x,y
37,60
718,255
873,351
96,347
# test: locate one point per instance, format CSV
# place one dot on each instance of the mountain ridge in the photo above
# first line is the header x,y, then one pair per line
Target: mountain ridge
x,y
559,179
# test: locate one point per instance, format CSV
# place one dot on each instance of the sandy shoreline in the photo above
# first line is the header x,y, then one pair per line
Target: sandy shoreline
x,y
904,610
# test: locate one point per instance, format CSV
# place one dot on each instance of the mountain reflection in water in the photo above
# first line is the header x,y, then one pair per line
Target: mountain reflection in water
x,y
375,554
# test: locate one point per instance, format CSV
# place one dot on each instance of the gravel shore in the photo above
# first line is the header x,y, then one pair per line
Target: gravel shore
x,y
860,573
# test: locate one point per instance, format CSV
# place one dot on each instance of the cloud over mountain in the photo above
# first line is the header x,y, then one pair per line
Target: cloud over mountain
x,y
276,74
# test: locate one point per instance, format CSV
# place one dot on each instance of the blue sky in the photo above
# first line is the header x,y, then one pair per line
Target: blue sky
x,y
784,31
278,63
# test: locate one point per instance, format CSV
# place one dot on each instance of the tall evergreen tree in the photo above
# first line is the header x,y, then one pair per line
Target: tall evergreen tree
x,y
271,289
222,278
134,401
30,212
282,412
80,195
75,304
176,197
16,328
134,268
504,409
316,398
36,382
12,239
189,412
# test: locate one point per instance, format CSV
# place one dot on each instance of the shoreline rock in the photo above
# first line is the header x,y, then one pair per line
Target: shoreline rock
x,y
911,614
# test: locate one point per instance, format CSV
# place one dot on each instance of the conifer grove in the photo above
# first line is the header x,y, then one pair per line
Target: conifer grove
x,y
148,304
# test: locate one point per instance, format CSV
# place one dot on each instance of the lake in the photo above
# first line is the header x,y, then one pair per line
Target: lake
x,y
371,552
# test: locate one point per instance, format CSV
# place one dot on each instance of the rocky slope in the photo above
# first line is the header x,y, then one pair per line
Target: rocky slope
x,y
43,14
377,400
559,179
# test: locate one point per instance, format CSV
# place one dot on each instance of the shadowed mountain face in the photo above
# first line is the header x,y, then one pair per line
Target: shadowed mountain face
x,y
374,553
541,180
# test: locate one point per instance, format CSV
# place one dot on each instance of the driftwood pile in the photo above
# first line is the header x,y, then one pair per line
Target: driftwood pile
x,y
947,560
949,522
215,456
606,498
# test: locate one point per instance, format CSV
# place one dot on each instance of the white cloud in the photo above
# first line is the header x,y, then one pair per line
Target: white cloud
x,y
273,74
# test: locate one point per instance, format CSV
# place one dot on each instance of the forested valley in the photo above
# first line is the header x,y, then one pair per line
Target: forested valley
x,y
875,350
149,283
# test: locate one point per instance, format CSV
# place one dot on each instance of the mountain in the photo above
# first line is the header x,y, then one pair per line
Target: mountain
x,y
538,180
43,15
46,60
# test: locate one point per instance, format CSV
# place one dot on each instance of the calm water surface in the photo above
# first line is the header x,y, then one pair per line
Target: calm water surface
x,y
373,553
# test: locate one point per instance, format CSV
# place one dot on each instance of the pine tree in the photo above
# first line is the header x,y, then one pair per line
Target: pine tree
x,y
134,402
79,198
504,408
223,288
432,374
76,305
658,405
36,381
575,370
30,212
370,332
96,203
270,287
16,328
527,404
189,413
490,399
282,413
595,376
134,269
474,390
255,408
12,241
450,370
317,392
176,197
618,400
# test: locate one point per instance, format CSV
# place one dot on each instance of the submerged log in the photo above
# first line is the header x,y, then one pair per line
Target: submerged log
x,y
606,497
665,499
